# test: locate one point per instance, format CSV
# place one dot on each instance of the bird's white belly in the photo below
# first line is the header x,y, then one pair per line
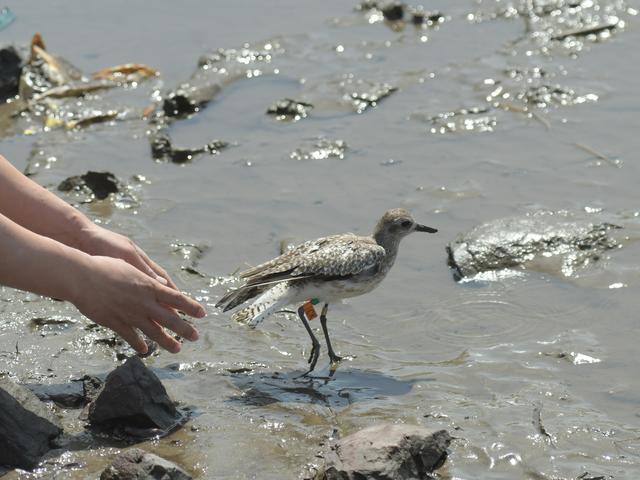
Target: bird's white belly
x,y
335,290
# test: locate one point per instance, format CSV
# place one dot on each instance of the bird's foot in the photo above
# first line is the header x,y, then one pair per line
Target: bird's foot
x,y
335,363
313,358
335,358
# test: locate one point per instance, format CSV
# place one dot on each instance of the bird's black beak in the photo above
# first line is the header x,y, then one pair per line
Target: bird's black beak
x,y
424,228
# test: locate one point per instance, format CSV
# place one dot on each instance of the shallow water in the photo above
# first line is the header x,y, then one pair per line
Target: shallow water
x,y
498,363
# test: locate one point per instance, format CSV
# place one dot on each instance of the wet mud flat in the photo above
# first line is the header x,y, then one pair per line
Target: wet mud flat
x,y
494,121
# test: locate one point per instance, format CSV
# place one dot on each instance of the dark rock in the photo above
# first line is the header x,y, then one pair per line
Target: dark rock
x,y
289,109
387,452
133,397
68,395
51,325
393,12
523,242
192,96
178,104
27,427
74,394
162,149
420,17
10,71
101,184
136,464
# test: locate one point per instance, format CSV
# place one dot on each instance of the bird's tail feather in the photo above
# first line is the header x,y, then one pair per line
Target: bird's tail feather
x,y
269,302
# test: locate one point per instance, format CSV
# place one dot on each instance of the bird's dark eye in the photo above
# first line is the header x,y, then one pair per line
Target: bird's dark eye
x,y
406,224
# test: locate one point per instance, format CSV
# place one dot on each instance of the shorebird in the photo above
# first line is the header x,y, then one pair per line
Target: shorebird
x,y
321,271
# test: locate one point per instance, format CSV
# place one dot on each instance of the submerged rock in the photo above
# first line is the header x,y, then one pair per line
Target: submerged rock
x,y
27,427
101,184
520,242
162,149
477,119
422,18
10,71
387,452
136,464
320,149
134,401
370,95
186,100
289,109
192,254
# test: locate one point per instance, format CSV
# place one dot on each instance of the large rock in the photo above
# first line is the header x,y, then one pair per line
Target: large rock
x,y
134,398
555,243
136,464
27,427
387,452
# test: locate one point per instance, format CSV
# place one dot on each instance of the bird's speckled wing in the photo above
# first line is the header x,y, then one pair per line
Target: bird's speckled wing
x,y
337,255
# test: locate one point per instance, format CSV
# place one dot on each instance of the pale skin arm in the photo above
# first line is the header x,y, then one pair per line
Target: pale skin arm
x,y
109,291
50,248
37,209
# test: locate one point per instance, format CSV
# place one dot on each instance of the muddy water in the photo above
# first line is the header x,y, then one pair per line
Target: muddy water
x,y
534,374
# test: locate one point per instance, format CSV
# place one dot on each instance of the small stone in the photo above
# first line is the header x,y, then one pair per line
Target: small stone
x,y
370,95
162,149
393,12
136,464
101,184
178,104
320,149
387,452
67,395
289,109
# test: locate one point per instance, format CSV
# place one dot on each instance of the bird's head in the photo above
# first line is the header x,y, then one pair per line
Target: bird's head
x,y
396,224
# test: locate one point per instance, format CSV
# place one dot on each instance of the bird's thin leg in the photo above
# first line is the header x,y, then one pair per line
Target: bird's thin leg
x,y
323,321
315,347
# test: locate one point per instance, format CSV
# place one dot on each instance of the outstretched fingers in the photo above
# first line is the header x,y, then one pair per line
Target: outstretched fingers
x,y
156,269
174,299
132,337
155,332
171,320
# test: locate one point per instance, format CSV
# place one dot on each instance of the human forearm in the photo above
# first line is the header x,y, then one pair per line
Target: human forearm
x,y
38,264
37,209
109,291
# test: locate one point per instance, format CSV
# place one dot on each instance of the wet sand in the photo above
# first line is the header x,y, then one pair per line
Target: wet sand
x,y
490,361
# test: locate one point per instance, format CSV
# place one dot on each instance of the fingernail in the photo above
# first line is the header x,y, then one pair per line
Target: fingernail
x,y
202,312
162,280
194,336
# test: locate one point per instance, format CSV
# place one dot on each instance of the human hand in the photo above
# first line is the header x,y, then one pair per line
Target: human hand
x,y
115,294
97,240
